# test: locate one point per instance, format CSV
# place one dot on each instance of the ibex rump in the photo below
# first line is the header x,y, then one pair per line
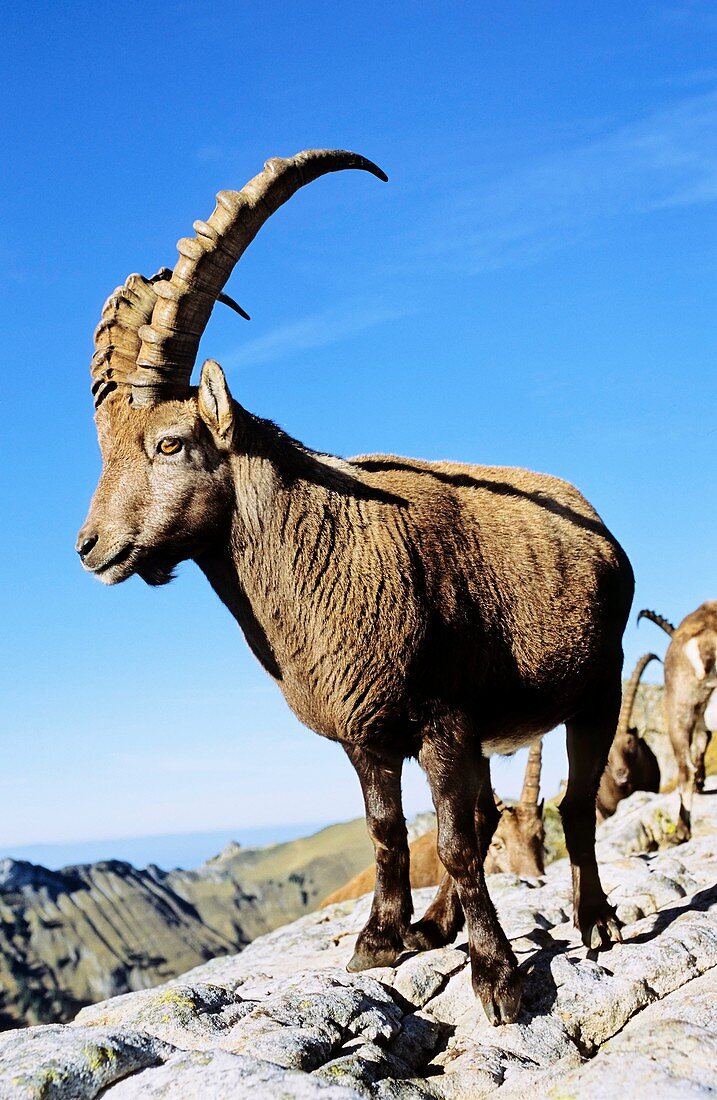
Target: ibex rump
x,y
405,608
690,681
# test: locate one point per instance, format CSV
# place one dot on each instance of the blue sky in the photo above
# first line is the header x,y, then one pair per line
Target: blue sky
x,y
535,286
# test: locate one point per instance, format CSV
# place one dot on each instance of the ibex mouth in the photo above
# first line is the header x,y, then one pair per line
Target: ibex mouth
x,y
102,571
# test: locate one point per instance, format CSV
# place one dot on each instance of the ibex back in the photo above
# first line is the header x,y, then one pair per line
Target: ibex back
x,y
405,608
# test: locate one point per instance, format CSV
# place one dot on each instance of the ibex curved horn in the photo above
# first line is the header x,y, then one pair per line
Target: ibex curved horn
x,y
149,332
117,340
184,302
531,781
628,699
658,619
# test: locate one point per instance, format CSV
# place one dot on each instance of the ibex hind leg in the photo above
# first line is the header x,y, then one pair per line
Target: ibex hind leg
x,y
441,922
456,779
589,736
444,917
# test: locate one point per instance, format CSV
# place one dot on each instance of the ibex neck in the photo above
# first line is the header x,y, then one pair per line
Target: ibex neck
x,y
282,492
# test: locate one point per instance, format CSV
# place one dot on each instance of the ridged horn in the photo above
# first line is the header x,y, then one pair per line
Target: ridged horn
x,y
116,338
184,302
658,619
531,781
628,698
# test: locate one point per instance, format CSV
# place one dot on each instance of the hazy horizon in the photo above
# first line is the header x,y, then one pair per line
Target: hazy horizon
x,y
166,850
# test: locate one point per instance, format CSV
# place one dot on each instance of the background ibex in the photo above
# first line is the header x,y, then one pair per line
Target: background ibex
x,y
631,763
405,608
517,846
690,680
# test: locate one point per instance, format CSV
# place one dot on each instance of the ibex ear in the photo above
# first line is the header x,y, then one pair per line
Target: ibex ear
x,y
215,401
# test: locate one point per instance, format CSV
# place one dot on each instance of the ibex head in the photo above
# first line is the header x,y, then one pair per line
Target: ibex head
x,y
625,747
166,446
518,844
166,483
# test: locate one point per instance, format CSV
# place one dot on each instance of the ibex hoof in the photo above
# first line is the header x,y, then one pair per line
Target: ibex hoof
x,y
502,1006
361,960
603,933
426,935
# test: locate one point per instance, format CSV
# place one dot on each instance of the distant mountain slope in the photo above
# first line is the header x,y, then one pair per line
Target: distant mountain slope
x,y
72,937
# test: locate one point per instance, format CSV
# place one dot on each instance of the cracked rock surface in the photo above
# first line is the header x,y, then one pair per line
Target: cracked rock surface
x,y
285,1019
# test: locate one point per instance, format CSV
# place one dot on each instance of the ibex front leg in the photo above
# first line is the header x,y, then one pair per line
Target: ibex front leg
x,y
380,942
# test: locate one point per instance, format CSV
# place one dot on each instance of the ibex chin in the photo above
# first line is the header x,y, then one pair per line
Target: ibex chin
x,y
517,847
631,763
690,680
405,608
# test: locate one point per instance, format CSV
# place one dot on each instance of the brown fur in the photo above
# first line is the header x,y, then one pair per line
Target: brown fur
x,y
631,764
405,608
690,680
516,848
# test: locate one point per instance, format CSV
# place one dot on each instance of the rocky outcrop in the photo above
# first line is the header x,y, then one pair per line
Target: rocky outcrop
x,y
284,1018
72,937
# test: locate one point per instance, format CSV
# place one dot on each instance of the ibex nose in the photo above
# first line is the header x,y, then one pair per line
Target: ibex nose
x,y
85,544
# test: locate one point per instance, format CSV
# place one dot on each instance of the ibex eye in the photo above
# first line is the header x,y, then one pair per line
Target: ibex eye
x,y
170,445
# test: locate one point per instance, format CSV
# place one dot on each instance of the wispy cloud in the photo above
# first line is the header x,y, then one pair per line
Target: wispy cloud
x,y
667,159
316,331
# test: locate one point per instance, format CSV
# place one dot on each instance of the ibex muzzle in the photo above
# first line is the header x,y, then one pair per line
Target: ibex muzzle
x,y
406,608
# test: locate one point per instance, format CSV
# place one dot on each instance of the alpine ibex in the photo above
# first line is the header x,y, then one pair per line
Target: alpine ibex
x,y
690,680
517,846
405,608
631,763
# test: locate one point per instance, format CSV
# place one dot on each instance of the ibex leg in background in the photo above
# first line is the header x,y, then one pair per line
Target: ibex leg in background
x,y
700,744
685,720
589,736
461,821
381,940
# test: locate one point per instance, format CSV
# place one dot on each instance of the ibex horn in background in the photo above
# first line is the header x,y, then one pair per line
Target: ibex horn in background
x,y
405,608
655,618
631,763
690,682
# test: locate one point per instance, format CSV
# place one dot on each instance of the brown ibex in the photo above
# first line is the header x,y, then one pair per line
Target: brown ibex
x,y
405,608
517,846
631,763
690,680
